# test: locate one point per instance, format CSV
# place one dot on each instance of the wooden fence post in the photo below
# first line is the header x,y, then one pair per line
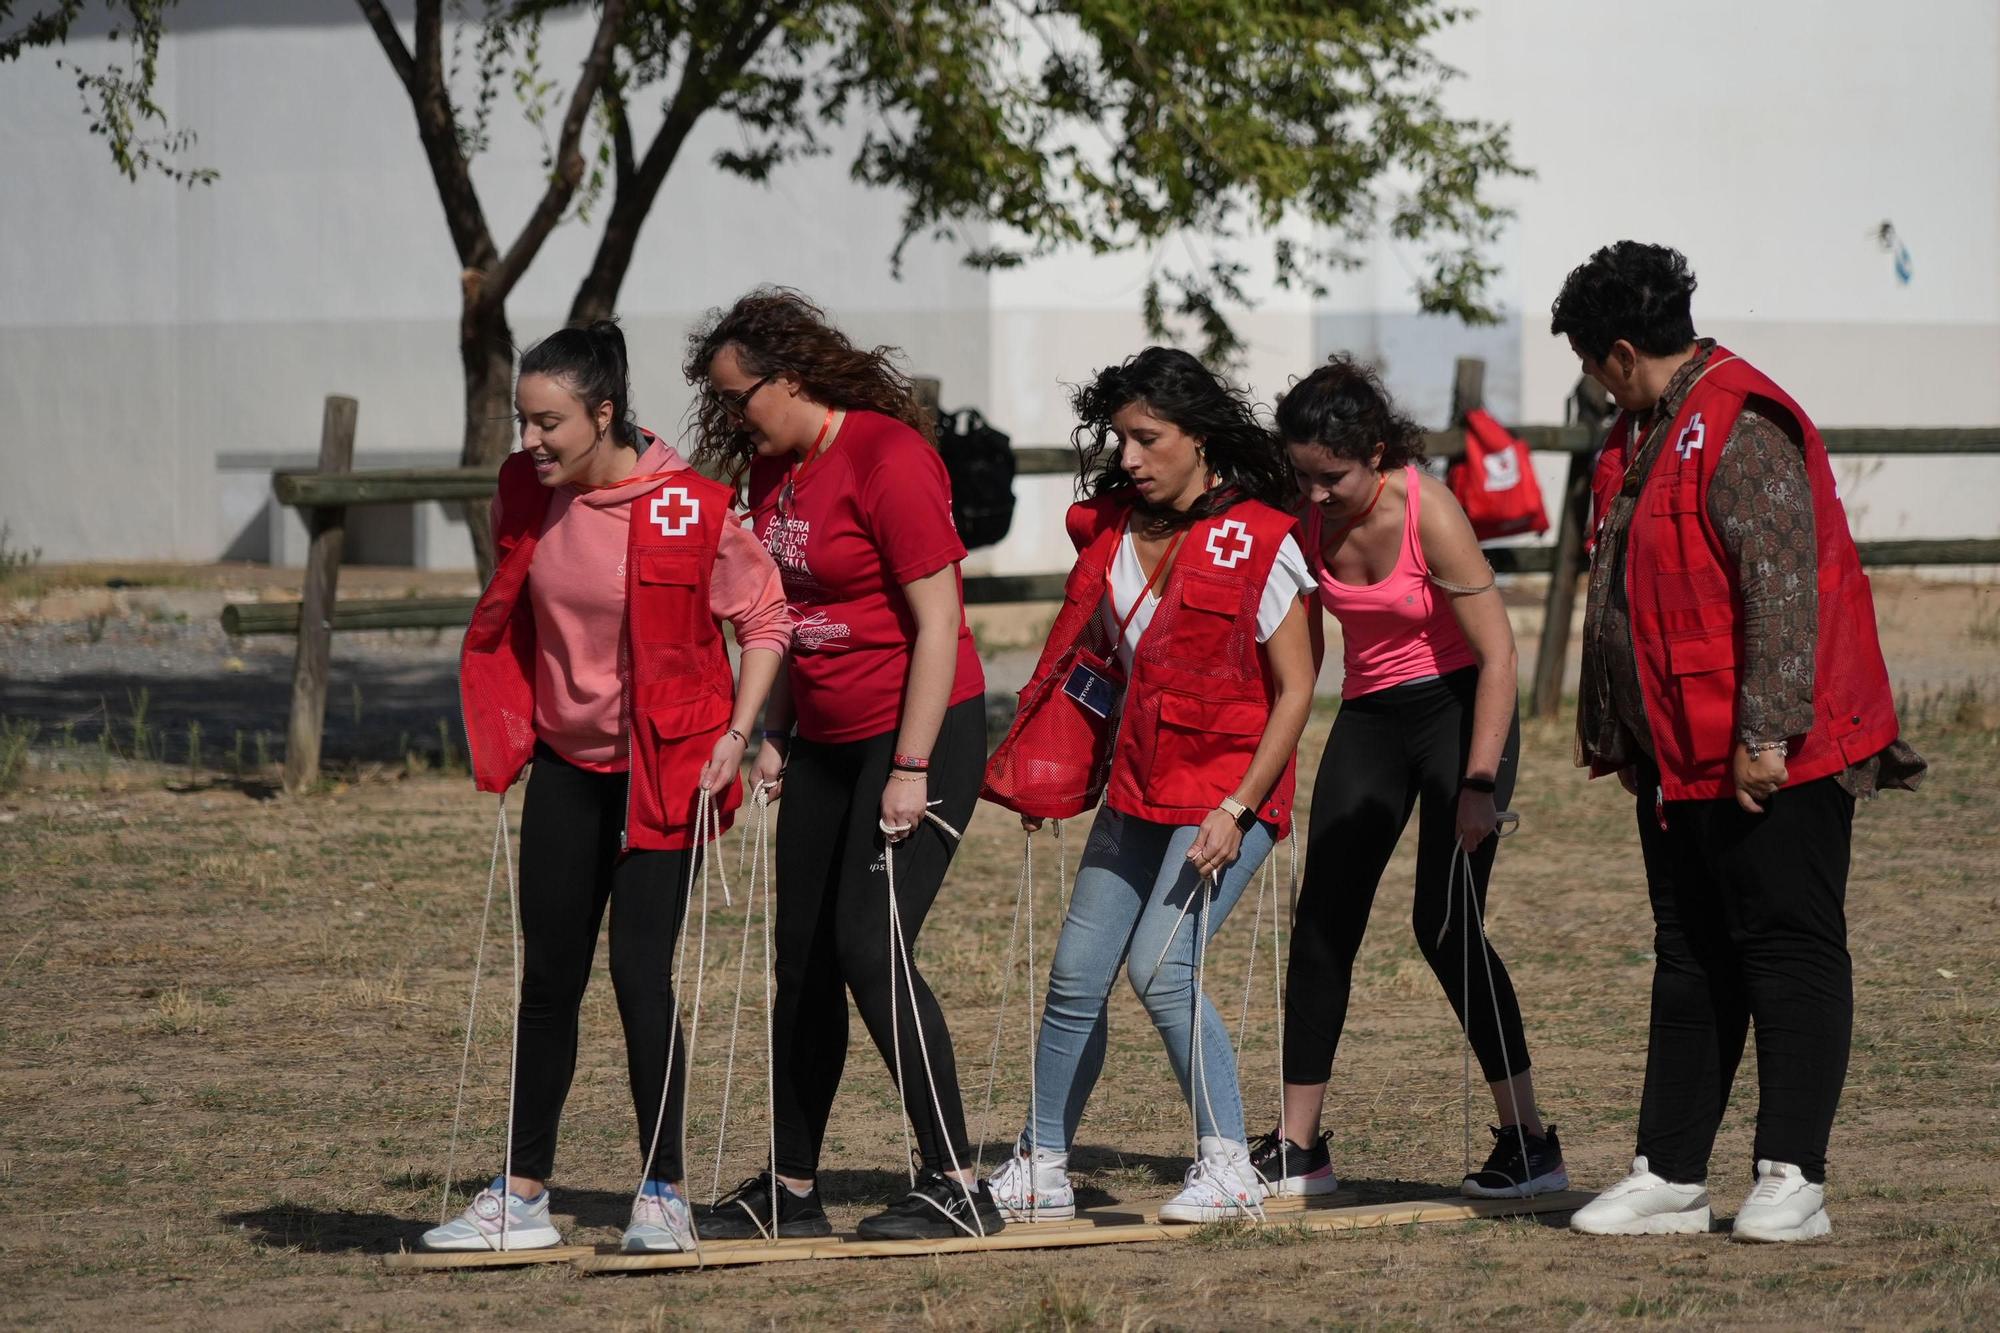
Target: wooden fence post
x,y
309,668
1591,408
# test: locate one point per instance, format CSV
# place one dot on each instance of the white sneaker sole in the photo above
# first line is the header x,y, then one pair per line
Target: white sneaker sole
x,y
1322,1181
1819,1224
1202,1212
1048,1212
630,1244
1686,1222
518,1238
1548,1183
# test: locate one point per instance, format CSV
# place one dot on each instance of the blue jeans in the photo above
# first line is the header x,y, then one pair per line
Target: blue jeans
x,y
1130,888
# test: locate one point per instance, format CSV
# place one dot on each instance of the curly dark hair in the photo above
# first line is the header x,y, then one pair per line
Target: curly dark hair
x,y
1177,388
1342,407
1629,290
776,330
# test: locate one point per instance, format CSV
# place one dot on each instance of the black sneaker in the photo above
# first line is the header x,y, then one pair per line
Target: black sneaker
x,y
1507,1175
745,1213
936,1208
1290,1170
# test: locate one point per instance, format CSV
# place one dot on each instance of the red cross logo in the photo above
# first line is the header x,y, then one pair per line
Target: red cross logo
x,y
1233,535
1692,438
675,511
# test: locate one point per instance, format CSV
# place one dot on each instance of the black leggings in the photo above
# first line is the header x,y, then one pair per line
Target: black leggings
x,y
833,932
1386,749
1749,925
570,869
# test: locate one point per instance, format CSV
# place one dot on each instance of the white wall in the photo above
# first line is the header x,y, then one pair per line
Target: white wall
x,y
147,330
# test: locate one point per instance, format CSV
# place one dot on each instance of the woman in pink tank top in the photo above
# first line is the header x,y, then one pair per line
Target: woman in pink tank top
x,y
1427,711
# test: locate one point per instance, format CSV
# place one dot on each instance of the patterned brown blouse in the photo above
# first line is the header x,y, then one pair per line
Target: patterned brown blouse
x,y
1761,506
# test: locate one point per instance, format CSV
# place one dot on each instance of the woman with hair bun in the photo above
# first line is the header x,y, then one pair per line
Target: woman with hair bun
x,y
879,722
1182,621
1427,709
596,656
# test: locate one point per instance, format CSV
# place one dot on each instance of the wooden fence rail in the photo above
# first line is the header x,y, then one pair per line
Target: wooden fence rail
x,y
324,495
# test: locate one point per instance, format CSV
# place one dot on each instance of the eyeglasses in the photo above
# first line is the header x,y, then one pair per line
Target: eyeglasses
x,y
737,405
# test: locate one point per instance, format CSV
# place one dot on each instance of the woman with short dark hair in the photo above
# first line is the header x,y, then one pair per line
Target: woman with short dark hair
x,y
1427,710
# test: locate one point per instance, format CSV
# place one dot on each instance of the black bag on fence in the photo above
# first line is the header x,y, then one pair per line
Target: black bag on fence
x,y
980,462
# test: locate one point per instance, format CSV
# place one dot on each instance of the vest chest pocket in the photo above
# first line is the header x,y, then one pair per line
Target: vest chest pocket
x,y
1203,748
1202,632
667,602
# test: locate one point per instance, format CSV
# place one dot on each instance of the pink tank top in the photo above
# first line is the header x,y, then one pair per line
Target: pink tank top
x,y
1399,630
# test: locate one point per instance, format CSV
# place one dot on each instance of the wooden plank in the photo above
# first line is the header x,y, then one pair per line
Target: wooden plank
x,y
1951,551
419,1261
1911,439
355,614
1468,387
1090,1228
308,490
988,589
309,665
1041,460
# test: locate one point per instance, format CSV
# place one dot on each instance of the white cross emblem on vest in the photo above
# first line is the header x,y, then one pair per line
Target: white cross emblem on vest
x,y
1235,535
675,511
1692,437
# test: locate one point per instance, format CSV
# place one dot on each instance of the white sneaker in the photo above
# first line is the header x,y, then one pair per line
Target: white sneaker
x,y
1644,1204
1037,1191
1783,1206
660,1223
479,1226
1221,1185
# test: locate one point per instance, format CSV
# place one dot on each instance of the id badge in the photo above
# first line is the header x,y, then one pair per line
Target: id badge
x,y
1093,691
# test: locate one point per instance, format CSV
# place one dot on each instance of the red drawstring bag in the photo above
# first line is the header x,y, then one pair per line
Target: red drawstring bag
x,y
1495,482
1056,758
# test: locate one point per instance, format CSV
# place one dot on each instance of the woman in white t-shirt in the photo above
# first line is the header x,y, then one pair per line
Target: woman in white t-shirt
x,y
1182,625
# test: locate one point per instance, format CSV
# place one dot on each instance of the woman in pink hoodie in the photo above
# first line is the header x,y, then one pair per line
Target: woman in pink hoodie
x,y
596,653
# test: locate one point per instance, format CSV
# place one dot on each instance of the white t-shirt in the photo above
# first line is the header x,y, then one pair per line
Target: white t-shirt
x,y
1288,581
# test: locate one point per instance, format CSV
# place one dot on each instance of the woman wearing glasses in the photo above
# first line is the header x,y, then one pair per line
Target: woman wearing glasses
x,y
878,720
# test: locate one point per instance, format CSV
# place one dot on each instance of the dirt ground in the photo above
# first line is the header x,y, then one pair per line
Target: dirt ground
x,y
230,1027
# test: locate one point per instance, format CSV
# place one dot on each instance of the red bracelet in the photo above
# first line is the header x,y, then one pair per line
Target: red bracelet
x,y
911,763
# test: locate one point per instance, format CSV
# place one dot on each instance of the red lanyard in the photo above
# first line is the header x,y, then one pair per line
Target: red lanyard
x,y
1355,522
797,470
649,479
1166,558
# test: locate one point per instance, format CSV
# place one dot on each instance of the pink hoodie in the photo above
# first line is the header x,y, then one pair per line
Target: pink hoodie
x,y
576,587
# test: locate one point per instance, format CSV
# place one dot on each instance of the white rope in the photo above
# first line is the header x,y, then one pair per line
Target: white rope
x,y
899,951
707,829
752,866
472,1011
514,1045
1210,887
1504,826
1267,884
1023,886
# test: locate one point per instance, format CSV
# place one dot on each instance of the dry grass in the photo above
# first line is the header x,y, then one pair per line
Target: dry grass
x,y
229,1030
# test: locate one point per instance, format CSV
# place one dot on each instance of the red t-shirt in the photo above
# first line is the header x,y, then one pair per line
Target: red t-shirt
x,y
870,514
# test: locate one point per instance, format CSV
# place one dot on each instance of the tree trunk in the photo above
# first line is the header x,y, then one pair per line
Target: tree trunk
x,y
486,352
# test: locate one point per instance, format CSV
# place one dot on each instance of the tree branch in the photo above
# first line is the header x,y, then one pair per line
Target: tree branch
x,y
568,171
378,18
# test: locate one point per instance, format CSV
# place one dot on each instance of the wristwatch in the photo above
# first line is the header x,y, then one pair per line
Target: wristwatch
x,y
1244,816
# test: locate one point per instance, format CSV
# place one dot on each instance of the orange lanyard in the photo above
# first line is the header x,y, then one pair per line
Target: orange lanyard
x,y
1166,558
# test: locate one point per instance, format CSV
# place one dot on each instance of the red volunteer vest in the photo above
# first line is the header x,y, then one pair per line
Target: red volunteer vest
x,y
678,688
1687,611
1201,688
